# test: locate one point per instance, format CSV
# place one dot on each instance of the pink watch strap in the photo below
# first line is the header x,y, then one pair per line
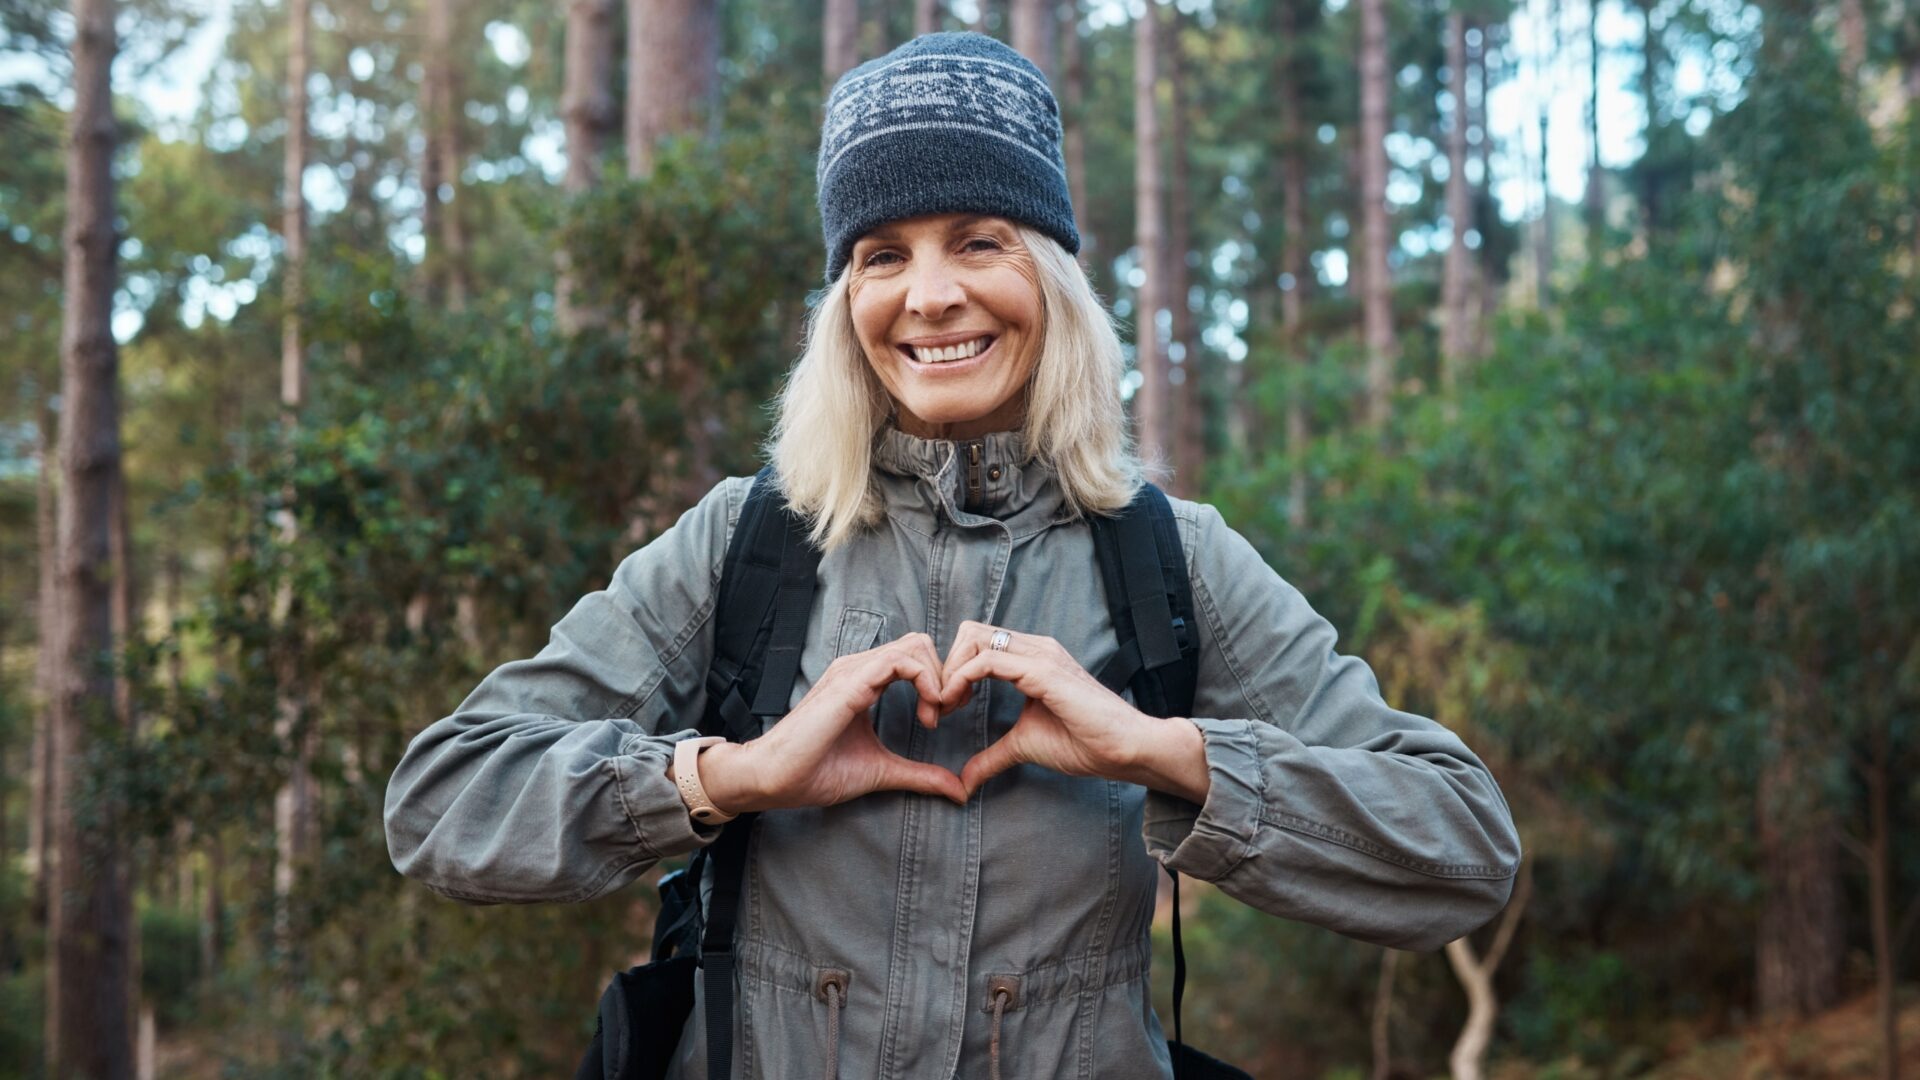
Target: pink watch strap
x,y
686,772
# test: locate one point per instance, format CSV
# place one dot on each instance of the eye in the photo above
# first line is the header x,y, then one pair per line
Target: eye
x,y
871,260
992,244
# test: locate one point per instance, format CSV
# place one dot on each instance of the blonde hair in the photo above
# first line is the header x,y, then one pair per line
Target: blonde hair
x,y
833,407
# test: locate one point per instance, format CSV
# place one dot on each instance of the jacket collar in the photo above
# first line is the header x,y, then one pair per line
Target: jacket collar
x,y
966,481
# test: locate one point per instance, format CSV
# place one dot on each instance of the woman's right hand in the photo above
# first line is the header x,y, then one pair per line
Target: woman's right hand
x,y
825,751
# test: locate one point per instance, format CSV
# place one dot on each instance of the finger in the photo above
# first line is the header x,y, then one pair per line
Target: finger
x,y
1004,754
973,639
880,669
929,688
1026,673
969,639
913,658
901,774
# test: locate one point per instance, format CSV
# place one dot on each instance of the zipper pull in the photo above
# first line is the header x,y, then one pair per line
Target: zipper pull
x,y
976,490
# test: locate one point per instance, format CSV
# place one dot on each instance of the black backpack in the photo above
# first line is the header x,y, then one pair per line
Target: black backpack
x,y
766,594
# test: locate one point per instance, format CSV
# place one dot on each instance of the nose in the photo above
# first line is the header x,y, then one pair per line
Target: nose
x,y
933,289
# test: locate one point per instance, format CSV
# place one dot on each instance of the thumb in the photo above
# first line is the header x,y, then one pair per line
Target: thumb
x,y
1004,754
901,774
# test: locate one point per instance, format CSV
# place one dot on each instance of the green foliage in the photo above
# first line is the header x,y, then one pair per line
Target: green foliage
x,y
1660,535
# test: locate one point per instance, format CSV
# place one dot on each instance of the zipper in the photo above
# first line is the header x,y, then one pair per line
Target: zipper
x,y
976,487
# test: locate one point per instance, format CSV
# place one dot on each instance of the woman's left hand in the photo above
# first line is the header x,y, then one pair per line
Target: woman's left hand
x,y
1071,723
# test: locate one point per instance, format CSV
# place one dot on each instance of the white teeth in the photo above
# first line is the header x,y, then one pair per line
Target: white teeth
x,y
952,352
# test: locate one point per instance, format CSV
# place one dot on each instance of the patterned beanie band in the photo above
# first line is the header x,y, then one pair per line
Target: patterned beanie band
x,y
946,123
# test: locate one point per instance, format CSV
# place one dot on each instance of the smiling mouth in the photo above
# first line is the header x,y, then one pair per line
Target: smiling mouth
x,y
966,350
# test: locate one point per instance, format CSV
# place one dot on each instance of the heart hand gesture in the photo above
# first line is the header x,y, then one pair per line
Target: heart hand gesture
x,y
1071,723
826,751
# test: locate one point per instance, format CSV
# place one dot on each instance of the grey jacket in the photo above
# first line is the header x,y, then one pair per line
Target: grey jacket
x,y
1326,806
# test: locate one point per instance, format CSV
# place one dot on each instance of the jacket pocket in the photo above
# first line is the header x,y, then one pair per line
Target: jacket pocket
x,y
859,631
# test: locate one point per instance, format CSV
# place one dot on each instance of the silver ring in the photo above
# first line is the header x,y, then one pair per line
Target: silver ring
x,y
998,643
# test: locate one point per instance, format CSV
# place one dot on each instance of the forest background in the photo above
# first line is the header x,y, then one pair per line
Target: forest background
x,y
321,401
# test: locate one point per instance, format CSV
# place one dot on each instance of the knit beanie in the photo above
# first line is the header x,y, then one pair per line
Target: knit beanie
x,y
946,123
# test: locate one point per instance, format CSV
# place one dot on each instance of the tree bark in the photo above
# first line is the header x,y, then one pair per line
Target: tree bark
x,y
1185,385
1596,195
1483,300
1383,1015
1853,39
40,849
673,65
212,933
926,17
1469,1056
1543,261
839,39
293,210
1456,285
90,963
1073,93
592,117
1649,93
1150,400
1880,895
1383,347
1033,32
440,176
293,802
1802,936
1293,253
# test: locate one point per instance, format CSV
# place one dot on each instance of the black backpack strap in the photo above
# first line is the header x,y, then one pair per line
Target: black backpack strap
x,y
766,592
1144,570
1150,597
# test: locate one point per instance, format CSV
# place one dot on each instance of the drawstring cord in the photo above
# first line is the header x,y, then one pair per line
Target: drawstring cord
x,y
1000,998
833,1031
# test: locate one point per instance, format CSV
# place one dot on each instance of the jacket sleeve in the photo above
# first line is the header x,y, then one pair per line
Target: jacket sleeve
x,y
1326,805
549,783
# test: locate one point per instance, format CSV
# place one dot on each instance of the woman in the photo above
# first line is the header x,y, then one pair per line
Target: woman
x,y
954,804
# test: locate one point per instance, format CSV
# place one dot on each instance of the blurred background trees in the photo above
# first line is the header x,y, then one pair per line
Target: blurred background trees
x,y
1611,468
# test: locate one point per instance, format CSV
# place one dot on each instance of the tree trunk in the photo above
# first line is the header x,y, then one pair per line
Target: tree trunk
x,y
1376,302
126,604
673,65
1186,386
1293,253
1073,117
1033,32
293,802
212,933
1483,274
1543,260
592,117
1456,284
926,17
673,68
1880,896
40,850
1649,93
1802,937
293,211
1596,194
1383,1015
839,39
1469,1057
1150,400
441,175
1853,39
89,974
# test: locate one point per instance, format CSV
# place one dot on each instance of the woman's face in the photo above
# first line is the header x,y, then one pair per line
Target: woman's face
x,y
947,308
